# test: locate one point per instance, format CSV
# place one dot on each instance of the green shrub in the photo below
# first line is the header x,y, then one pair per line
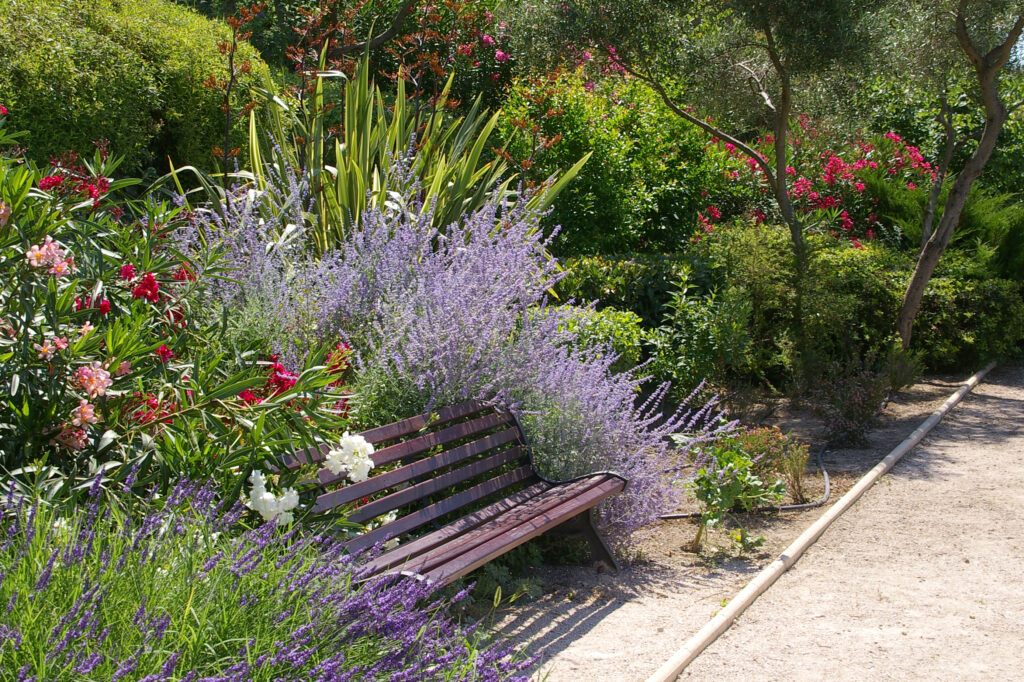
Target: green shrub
x,y
650,175
618,329
128,72
642,284
848,397
703,338
775,456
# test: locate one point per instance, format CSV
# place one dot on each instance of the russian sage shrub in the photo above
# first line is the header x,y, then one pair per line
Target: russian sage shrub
x,y
439,316
178,594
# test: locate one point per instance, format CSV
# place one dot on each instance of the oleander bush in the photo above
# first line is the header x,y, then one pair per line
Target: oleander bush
x,y
176,589
106,359
128,72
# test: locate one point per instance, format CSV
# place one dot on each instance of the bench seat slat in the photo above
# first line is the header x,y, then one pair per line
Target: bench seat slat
x,y
542,506
433,485
425,543
390,479
457,501
513,537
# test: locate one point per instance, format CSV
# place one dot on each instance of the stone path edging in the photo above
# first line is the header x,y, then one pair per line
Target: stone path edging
x,y
714,628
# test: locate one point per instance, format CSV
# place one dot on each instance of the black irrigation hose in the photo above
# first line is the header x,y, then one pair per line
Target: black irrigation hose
x,y
784,507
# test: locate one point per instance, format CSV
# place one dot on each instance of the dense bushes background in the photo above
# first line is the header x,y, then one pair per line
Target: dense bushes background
x,y
128,72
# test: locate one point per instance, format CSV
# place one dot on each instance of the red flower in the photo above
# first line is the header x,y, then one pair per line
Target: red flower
x,y
183,274
81,304
104,307
164,353
3,110
128,272
49,182
280,380
250,398
148,288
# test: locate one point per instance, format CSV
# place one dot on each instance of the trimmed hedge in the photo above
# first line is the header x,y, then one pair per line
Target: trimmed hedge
x,y
128,72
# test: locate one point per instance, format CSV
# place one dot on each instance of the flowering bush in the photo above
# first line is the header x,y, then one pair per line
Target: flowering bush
x,y
102,356
437,317
177,594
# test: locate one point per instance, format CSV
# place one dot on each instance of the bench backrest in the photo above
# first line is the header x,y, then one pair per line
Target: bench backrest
x,y
437,464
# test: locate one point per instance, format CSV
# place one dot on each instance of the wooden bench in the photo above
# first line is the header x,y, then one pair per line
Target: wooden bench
x,y
465,490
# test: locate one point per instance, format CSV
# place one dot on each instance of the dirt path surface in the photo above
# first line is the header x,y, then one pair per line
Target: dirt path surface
x,y
921,579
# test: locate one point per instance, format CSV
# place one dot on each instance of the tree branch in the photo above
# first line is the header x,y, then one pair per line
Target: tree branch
x,y
757,86
702,124
1000,54
396,26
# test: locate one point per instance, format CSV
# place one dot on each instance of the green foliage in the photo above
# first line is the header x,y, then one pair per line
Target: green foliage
x,y
702,338
620,331
853,296
650,173
848,397
775,456
727,482
129,72
447,161
641,284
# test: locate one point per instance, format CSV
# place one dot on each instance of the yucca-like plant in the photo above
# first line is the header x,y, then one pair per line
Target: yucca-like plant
x,y
447,157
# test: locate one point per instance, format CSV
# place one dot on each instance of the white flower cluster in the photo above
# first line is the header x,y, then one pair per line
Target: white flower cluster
x,y
351,455
270,506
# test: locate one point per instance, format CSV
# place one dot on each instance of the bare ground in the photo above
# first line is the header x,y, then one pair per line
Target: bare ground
x,y
923,573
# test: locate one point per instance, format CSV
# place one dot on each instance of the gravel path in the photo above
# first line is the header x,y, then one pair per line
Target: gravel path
x,y
922,579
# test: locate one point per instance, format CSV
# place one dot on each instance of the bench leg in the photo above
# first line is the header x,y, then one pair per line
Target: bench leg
x,y
599,550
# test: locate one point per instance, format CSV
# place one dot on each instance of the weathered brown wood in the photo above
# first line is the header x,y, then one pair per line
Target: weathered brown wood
x,y
428,465
434,485
435,511
425,543
514,537
411,425
568,500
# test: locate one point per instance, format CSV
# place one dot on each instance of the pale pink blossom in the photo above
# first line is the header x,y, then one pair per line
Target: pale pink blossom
x,y
5,214
46,350
86,329
85,413
94,380
124,368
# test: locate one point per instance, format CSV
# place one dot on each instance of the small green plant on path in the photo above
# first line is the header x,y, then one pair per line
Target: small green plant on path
x,y
726,482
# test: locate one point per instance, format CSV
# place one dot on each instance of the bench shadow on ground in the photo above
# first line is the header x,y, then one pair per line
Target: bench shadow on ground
x,y
578,598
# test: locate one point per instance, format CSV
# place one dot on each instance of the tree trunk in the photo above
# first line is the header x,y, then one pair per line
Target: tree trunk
x,y
955,202
946,119
987,67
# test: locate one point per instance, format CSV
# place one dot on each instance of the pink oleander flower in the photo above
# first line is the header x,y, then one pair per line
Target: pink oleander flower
x,y
589,86
104,307
859,186
128,272
487,40
74,439
164,353
46,350
714,212
124,368
60,342
465,50
3,110
501,56
85,329
5,214
94,380
911,185
84,414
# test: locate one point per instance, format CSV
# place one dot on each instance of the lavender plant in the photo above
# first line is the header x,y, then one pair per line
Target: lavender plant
x,y
176,594
438,316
